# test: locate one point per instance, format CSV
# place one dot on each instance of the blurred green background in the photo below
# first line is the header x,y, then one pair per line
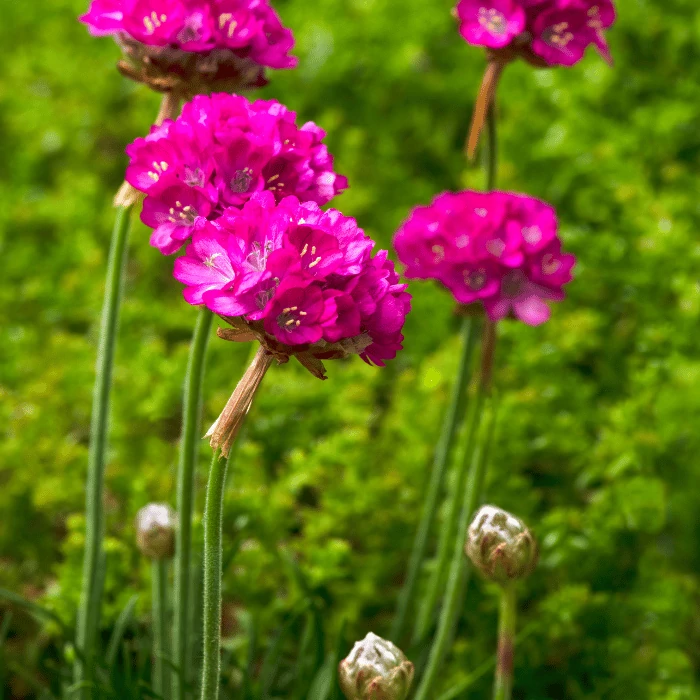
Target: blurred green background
x,y
598,439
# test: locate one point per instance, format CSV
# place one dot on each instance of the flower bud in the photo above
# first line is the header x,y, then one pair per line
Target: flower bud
x,y
500,545
375,669
155,530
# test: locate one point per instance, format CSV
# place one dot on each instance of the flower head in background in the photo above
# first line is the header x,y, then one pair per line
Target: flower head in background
x,y
497,249
375,669
194,46
300,280
543,32
218,153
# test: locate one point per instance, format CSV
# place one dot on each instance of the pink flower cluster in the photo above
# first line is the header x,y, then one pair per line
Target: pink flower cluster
x,y
555,32
496,248
299,277
248,28
219,152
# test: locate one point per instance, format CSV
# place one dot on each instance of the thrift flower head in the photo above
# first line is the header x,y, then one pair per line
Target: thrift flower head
x,y
497,249
375,669
194,46
219,152
544,32
300,280
500,545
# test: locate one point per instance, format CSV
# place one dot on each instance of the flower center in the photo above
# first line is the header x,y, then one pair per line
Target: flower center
x,y
532,234
227,18
492,20
439,252
594,14
475,279
257,258
311,252
159,167
550,264
194,177
153,21
241,180
275,185
290,318
558,35
184,216
513,284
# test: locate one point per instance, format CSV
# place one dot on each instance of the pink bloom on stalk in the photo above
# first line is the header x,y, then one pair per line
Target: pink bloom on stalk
x,y
491,23
219,152
498,249
250,29
302,277
544,32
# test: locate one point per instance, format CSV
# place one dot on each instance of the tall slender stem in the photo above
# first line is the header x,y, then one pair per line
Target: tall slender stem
x,y
430,598
211,665
91,593
453,416
470,499
189,446
503,684
161,676
484,103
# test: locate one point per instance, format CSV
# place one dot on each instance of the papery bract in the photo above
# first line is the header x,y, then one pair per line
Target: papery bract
x,y
497,248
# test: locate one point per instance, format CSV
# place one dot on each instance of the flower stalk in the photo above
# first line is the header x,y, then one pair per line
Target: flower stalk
x,y
213,517
503,685
189,446
484,102
453,417
161,675
88,622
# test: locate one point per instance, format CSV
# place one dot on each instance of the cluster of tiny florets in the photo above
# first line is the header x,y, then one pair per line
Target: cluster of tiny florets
x,y
219,152
298,277
551,32
497,248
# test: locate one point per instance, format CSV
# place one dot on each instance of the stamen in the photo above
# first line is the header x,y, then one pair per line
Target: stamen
x,y
315,262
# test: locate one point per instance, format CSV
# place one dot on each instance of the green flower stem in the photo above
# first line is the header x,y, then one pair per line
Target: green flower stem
x,y
477,457
503,684
213,515
91,592
189,447
453,416
430,599
161,675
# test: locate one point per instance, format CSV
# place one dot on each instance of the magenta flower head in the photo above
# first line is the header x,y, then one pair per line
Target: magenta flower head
x,y
543,32
194,46
300,281
496,249
219,152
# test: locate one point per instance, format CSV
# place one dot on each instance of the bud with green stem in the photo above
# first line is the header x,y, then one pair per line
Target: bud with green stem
x,y
375,669
503,549
156,525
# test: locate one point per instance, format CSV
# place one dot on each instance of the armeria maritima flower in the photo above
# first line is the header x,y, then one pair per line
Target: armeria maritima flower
x,y
194,46
544,32
498,249
219,152
300,281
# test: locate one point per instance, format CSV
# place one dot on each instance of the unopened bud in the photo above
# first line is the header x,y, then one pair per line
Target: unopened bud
x,y
375,669
500,545
155,530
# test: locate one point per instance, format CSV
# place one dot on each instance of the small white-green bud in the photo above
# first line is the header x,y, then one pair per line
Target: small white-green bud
x,y
155,530
500,545
375,669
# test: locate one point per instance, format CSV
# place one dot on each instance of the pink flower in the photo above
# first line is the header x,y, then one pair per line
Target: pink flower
x,y
543,32
491,23
301,279
219,152
498,249
189,44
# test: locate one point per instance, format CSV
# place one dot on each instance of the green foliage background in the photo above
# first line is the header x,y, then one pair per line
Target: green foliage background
x,y
599,425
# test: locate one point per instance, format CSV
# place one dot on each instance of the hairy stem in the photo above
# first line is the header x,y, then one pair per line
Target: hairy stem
x,y
503,684
161,676
189,446
471,495
91,590
453,416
